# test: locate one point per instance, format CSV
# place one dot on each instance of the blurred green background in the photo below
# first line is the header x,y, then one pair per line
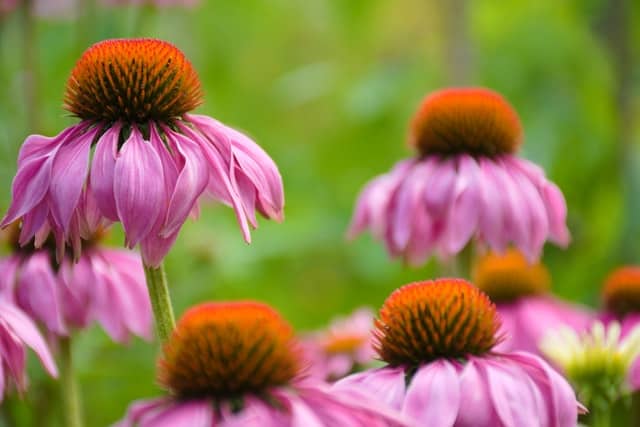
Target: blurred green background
x,y
327,88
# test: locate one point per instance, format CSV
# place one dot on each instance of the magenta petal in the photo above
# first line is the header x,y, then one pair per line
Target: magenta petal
x,y
23,328
140,410
433,396
139,187
38,292
102,172
154,248
492,221
440,188
191,182
463,214
68,175
557,213
189,413
383,384
475,408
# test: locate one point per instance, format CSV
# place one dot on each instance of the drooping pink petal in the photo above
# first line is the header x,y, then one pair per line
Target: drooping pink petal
x,y
433,396
463,212
492,216
190,184
68,176
102,172
77,282
557,213
24,329
475,410
138,187
38,292
440,187
385,384
140,410
188,413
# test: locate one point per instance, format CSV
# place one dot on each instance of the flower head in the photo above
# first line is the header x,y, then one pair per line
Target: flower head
x,y
237,364
137,156
437,338
343,348
621,291
597,362
521,291
104,285
466,182
17,331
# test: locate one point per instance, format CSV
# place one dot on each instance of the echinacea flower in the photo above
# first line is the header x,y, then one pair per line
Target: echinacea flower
x,y
621,300
597,362
237,364
104,285
136,156
42,8
465,182
521,292
437,338
17,331
343,348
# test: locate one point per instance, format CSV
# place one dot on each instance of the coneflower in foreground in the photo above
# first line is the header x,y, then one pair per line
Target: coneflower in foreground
x,y
137,156
465,182
437,339
521,292
104,285
17,331
237,364
342,348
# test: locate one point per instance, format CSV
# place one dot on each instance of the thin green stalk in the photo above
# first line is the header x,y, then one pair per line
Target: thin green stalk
x,y
160,301
69,386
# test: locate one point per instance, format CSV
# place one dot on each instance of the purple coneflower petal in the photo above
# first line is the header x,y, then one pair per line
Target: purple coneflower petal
x,y
492,215
433,397
68,174
463,214
138,188
189,185
103,170
38,293
473,398
385,383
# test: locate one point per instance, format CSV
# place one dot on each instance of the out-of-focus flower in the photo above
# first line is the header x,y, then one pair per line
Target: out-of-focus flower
x,y
465,182
104,285
136,156
43,8
437,338
17,331
527,309
237,364
343,348
596,362
621,300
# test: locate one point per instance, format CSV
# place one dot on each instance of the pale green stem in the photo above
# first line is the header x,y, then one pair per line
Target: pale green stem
x,y
69,386
160,301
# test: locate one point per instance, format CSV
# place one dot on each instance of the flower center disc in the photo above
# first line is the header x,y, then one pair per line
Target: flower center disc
x,y
228,349
474,121
444,318
133,80
508,277
621,292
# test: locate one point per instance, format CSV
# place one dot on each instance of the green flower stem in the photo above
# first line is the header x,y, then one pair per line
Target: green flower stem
x,y
601,414
160,301
69,386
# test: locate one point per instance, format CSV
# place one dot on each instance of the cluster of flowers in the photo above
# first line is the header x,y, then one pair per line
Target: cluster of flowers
x,y
453,353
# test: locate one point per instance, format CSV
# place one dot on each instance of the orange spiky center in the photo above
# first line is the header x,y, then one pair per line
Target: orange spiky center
x,y
621,292
444,318
474,121
132,80
510,276
341,344
224,350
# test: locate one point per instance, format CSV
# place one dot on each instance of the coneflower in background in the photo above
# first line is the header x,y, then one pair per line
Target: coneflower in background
x,y
522,293
464,182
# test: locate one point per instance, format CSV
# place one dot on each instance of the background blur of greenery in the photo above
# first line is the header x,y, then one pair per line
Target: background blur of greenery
x,y
327,88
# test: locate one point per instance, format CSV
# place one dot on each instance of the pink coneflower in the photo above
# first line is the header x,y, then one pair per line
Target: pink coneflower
x,y
42,8
437,338
464,182
137,155
17,331
621,300
104,285
236,364
521,292
343,348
